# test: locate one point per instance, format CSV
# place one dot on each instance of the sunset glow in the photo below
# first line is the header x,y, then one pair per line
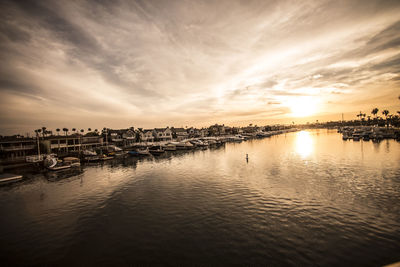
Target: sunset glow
x,y
159,63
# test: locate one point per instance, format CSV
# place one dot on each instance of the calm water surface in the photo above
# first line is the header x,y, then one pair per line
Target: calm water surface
x,y
305,198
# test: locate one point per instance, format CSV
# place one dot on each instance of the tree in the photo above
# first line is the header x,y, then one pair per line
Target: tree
x,y
82,131
58,131
74,130
386,113
44,131
66,131
375,111
89,129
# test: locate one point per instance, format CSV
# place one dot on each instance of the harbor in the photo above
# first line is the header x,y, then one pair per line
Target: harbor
x,y
56,153
309,187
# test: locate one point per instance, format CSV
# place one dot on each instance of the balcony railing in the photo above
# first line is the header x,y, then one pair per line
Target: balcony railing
x,y
17,148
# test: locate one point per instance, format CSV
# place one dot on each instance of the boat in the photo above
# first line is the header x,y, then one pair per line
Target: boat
x,y
156,150
169,147
179,145
52,163
133,153
143,152
74,162
9,177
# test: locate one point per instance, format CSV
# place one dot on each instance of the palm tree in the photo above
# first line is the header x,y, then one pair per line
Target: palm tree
x,y
44,131
58,131
375,111
82,131
65,130
386,113
89,129
96,131
73,129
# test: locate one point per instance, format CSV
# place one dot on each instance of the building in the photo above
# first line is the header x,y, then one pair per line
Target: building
x,y
162,134
146,135
15,148
216,130
70,143
180,133
122,138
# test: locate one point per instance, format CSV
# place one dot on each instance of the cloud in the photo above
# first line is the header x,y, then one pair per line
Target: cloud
x,y
154,63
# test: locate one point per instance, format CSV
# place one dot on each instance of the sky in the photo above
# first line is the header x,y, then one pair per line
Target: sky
x,y
195,63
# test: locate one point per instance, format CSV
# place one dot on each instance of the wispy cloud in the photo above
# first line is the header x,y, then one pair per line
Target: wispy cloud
x,y
153,63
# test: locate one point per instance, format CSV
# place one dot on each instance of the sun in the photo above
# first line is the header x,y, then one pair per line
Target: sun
x,y
302,106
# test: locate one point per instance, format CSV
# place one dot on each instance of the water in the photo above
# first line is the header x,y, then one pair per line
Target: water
x,y
305,198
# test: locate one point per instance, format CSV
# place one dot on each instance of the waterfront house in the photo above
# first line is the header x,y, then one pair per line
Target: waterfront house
x,y
204,132
162,134
146,135
216,130
180,133
122,137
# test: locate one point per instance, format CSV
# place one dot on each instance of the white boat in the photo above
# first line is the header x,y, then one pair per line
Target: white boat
x,y
72,161
89,153
179,145
143,152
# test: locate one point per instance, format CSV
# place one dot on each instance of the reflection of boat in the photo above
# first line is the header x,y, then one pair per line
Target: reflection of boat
x,y
105,157
9,177
156,150
59,175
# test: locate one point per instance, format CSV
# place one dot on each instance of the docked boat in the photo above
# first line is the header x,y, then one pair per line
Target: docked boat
x,y
105,157
169,147
9,177
133,153
72,161
156,150
144,152
179,145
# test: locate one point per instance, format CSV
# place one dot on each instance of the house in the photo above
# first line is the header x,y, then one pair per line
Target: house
x,y
203,132
180,133
146,135
193,132
216,130
122,137
250,129
162,134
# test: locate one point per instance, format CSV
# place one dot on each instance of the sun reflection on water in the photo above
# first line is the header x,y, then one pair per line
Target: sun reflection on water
x,y
304,144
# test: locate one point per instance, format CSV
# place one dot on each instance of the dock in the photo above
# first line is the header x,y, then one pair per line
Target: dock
x,y
9,177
